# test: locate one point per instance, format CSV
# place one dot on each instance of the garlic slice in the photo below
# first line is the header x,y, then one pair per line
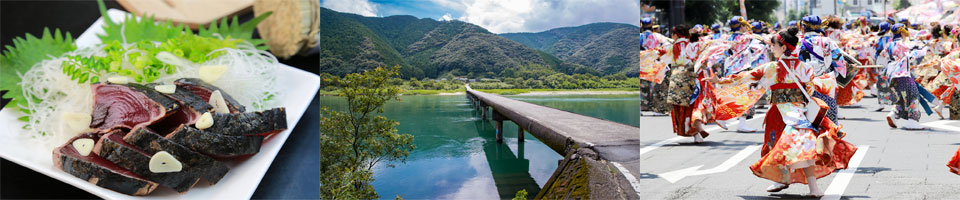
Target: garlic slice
x,y
166,89
211,73
218,103
84,146
77,122
205,121
118,80
163,162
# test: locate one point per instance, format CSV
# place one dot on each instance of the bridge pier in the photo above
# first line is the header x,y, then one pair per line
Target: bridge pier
x,y
519,132
499,131
583,140
496,116
483,110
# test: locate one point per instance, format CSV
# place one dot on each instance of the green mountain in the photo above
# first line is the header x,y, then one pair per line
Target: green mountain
x,y
424,48
605,47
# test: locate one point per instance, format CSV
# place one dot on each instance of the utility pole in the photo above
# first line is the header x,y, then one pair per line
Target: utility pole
x,y
676,13
835,6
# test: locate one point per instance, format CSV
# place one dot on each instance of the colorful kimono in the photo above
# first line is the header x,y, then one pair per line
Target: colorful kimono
x,y
791,141
954,163
851,92
823,55
652,44
748,50
950,67
929,72
899,56
885,93
691,95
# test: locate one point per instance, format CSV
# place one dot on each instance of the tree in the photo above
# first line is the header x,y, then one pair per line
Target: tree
x,y
797,14
720,10
355,141
901,4
521,195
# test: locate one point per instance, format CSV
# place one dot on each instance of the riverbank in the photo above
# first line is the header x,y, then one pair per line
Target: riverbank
x,y
407,92
534,92
520,92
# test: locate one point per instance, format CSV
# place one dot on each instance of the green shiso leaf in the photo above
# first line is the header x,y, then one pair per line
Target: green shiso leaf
x,y
26,52
237,31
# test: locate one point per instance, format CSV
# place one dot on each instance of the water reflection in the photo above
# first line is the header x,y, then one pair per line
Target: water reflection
x,y
510,171
457,156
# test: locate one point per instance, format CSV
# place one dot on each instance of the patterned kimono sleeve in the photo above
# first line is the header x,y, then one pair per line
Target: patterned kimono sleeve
x,y
763,74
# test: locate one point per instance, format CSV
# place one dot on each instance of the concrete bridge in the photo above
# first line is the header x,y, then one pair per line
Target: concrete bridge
x,y
590,145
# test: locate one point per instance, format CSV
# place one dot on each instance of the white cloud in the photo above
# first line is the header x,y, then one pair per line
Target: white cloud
x,y
446,17
360,7
502,16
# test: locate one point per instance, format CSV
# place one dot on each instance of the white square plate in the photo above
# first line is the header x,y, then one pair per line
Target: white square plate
x,y
297,86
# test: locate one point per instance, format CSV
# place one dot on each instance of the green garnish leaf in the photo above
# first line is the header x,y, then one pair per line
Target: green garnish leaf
x,y
237,31
26,52
132,30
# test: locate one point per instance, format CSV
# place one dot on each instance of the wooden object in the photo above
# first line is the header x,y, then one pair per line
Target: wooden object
x,y
191,13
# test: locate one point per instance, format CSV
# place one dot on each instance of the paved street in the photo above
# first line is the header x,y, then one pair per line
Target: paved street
x,y
891,163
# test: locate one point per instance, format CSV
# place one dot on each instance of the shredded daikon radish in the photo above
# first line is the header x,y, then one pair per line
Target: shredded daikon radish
x,y
250,79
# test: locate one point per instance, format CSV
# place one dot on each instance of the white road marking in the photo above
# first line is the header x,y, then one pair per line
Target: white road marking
x,y
675,176
630,178
942,124
840,182
659,144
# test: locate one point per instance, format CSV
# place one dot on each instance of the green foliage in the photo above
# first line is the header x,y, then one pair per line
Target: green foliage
x,y
540,77
236,31
598,48
424,48
26,52
355,141
351,47
761,10
551,60
521,195
901,4
722,10
797,15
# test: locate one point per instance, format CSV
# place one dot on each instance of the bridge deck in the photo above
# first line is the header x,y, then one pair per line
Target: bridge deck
x,y
558,128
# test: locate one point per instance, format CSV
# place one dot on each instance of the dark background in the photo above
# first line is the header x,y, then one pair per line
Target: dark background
x,y
293,174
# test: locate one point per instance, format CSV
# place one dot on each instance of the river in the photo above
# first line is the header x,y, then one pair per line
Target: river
x,y
457,156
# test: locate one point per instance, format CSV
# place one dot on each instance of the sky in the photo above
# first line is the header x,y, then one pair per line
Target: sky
x,y
500,16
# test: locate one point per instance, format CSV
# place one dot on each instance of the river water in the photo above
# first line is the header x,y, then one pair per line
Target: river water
x,y
457,156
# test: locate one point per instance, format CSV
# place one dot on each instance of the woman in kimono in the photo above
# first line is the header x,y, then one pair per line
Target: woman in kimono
x,y
940,44
950,64
827,60
651,42
747,50
899,55
797,149
855,41
883,90
691,92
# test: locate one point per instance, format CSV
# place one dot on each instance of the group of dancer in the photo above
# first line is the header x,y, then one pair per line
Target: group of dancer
x,y
805,71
